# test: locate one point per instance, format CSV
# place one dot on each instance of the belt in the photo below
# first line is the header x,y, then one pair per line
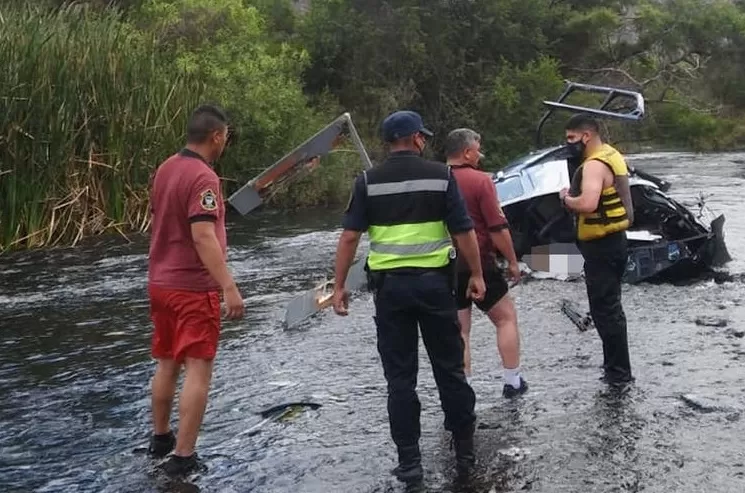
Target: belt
x,y
414,272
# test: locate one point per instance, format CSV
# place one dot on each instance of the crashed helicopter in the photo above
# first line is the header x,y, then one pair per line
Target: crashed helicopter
x,y
667,241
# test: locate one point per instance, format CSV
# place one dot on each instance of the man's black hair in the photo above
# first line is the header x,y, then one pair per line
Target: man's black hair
x,y
583,121
204,120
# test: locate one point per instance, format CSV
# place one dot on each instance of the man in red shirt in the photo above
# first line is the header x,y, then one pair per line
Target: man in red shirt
x,y
463,150
187,271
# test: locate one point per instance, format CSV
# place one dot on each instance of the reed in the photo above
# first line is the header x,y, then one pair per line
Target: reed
x,y
88,108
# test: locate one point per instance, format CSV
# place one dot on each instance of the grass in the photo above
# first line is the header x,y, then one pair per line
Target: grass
x,y
87,110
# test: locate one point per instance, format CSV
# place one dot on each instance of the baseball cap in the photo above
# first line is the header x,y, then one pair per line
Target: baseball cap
x,y
402,124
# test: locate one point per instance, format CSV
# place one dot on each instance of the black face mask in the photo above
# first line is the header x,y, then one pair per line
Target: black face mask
x,y
576,149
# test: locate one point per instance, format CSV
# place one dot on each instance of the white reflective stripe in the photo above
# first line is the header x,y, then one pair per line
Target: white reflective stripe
x,y
418,249
432,185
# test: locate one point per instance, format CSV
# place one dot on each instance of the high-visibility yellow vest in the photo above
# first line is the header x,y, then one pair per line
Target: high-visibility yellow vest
x,y
406,210
610,216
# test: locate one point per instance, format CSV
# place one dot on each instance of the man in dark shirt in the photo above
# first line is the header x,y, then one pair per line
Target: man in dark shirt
x,y
410,208
187,271
463,150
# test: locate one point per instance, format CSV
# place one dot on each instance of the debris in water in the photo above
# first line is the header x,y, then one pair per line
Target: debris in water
x,y
571,310
711,321
736,333
514,453
283,383
710,405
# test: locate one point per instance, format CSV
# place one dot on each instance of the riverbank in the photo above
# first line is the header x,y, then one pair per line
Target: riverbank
x,y
326,189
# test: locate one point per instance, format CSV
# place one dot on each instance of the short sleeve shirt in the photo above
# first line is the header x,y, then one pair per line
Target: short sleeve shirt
x,y
185,189
480,195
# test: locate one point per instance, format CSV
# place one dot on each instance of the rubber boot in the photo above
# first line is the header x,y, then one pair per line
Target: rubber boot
x,y
409,469
465,457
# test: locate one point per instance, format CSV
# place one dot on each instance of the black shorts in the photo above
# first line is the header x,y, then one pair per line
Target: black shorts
x,y
496,288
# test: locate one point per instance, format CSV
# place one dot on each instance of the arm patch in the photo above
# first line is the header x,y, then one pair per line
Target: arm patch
x,y
208,200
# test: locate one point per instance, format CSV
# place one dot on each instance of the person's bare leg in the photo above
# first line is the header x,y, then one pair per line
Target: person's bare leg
x,y
192,404
504,316
163,389
464,318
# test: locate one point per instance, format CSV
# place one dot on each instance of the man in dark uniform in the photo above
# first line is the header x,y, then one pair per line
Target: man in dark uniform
x,y
601,198
411,207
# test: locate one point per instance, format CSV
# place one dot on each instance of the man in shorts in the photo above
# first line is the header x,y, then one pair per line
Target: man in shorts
x,y
186,274
463,150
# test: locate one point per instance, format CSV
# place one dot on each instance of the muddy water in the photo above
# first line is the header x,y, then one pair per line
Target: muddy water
x,y
75,370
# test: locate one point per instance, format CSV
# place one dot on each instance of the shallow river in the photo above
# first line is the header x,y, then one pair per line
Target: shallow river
x,y
75,372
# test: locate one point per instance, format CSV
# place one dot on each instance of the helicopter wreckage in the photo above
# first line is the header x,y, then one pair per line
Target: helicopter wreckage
x,y
666,242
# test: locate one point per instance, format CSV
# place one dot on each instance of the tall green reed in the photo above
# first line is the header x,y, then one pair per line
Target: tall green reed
x,y
88,108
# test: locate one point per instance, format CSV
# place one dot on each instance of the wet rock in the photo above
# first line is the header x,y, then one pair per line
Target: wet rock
x,y
711,321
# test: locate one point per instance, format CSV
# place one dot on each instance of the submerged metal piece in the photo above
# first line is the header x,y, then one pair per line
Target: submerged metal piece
x,y
277,412
321,296
571,310
269,411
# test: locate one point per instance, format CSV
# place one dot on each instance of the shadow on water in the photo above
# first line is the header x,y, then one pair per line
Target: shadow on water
x,y
75,371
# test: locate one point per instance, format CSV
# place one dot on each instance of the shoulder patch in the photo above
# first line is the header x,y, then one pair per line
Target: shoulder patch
x,y
208,200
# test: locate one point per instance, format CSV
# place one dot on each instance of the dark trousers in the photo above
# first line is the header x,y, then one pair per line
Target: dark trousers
x,y
401,302
605,262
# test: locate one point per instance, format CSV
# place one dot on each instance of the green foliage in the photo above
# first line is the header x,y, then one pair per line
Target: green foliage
x,y
86,110
224,44
98,120
513,107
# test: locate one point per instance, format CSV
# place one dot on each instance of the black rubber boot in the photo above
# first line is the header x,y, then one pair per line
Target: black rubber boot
x,y
465,457
409,469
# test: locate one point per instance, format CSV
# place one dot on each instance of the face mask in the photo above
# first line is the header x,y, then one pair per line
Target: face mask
x,y
576,149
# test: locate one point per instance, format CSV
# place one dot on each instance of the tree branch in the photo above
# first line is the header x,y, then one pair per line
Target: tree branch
x,y
609,70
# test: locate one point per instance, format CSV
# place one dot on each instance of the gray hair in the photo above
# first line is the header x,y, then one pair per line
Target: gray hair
x,y
459,139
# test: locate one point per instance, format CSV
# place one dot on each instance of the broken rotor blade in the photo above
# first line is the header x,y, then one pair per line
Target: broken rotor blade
x,y
252,194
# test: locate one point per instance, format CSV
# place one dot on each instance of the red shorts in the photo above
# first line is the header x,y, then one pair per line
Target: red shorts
x,y
187,323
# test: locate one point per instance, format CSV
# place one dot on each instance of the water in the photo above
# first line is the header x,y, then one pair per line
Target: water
x,y
75,372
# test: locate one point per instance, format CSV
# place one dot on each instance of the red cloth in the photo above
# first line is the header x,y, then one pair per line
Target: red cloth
x,y
187,323
184,189
480,195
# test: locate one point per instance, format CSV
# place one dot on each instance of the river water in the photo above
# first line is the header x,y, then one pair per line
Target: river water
x,y
75,372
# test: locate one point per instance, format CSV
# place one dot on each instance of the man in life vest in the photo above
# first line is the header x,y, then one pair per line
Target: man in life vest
x,y
600,196
413,211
